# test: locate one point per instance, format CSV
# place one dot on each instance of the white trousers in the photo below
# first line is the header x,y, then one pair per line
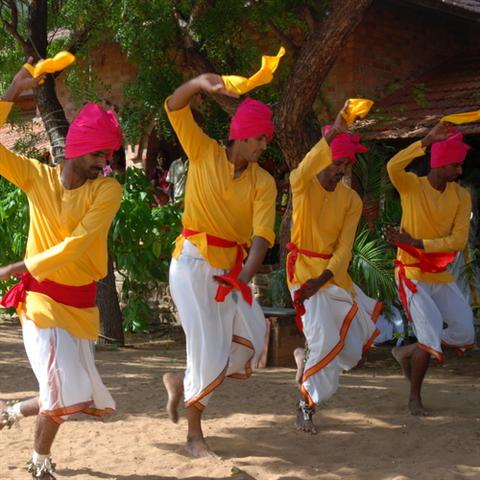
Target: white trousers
x,y
64,366
441,316
223,338
339,328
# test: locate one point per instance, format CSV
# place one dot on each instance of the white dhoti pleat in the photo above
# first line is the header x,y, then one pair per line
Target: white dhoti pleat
x,y
339,329
441,316
68,379
223,338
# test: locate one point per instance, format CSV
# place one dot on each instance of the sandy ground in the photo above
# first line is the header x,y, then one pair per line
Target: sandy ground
x,y
365,431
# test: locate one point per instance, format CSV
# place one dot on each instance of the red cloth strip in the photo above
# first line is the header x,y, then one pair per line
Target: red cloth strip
x,y
436,262
231,278
84,296
293,256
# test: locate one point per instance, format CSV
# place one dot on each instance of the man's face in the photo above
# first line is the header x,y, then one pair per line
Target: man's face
x,y
253,147
335,172
452,171
90,165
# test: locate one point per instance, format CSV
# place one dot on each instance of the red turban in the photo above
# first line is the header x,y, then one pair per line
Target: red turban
x,y
252,118
450,150
93,129
345,145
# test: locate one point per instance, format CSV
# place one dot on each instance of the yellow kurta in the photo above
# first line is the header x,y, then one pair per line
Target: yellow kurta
x,y
67,239
216,203
440,219
323,221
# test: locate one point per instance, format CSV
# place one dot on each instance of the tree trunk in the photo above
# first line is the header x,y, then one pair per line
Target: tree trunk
x,y
110,314
293,117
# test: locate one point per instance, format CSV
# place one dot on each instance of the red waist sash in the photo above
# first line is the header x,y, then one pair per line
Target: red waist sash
x,y
291,261
436,262
230,278
83,296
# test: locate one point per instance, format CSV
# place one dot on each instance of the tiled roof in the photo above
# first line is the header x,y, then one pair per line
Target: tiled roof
x,y
462,8
408,113
10,135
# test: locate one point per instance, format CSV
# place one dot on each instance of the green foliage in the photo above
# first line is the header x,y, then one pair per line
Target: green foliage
x,y
372,266
142,239
13,226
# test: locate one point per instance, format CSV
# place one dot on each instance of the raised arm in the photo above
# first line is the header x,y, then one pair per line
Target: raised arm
x,y
403,180
207,82
319,157
15,168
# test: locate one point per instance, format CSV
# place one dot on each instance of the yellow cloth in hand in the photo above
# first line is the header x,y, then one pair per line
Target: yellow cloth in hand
x,y
241,85
357,107
51,65
465,117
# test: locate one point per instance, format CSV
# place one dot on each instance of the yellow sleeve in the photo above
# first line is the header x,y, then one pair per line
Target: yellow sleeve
x,y
343,252
317,159
94,224
401,179
264,209
17,169
458,238
193,139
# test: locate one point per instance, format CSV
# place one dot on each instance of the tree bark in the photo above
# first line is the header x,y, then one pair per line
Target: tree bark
x,y
293,117
111,319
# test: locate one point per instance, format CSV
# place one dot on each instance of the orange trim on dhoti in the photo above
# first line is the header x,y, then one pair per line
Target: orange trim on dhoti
x,y
467,346
439,356
347,321
248,365
84,407
370,341
242,341
208,389
374,317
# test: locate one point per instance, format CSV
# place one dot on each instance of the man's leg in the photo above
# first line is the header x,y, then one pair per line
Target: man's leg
x,y
45,431
299,356
419,363
403,355
173,382
196,444
11,413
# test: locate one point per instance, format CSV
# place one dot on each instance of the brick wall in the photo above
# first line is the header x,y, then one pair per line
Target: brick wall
x,y
394,43
113,70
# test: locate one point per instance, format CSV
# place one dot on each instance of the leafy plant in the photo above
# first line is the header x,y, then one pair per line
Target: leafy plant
x,y
142,239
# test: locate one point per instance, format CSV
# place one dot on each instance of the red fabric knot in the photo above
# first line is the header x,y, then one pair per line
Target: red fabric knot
x,y
231,278
436,262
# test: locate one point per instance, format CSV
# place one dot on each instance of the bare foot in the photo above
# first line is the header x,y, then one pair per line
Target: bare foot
x,y
305,423
400,354
198,448
174,385
299,355
416,408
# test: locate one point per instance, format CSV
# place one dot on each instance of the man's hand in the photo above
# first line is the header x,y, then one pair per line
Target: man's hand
x,y
213,83
439,132
339,125
22,81
5,272
312,286
8,271
395,235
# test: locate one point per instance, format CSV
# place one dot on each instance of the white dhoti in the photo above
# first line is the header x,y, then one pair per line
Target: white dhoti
x,y
68,379
339,329
223,338
441,316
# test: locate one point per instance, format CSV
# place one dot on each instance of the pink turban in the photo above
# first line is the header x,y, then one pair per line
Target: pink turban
x,y
345,145
93,129
252,118
450,150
